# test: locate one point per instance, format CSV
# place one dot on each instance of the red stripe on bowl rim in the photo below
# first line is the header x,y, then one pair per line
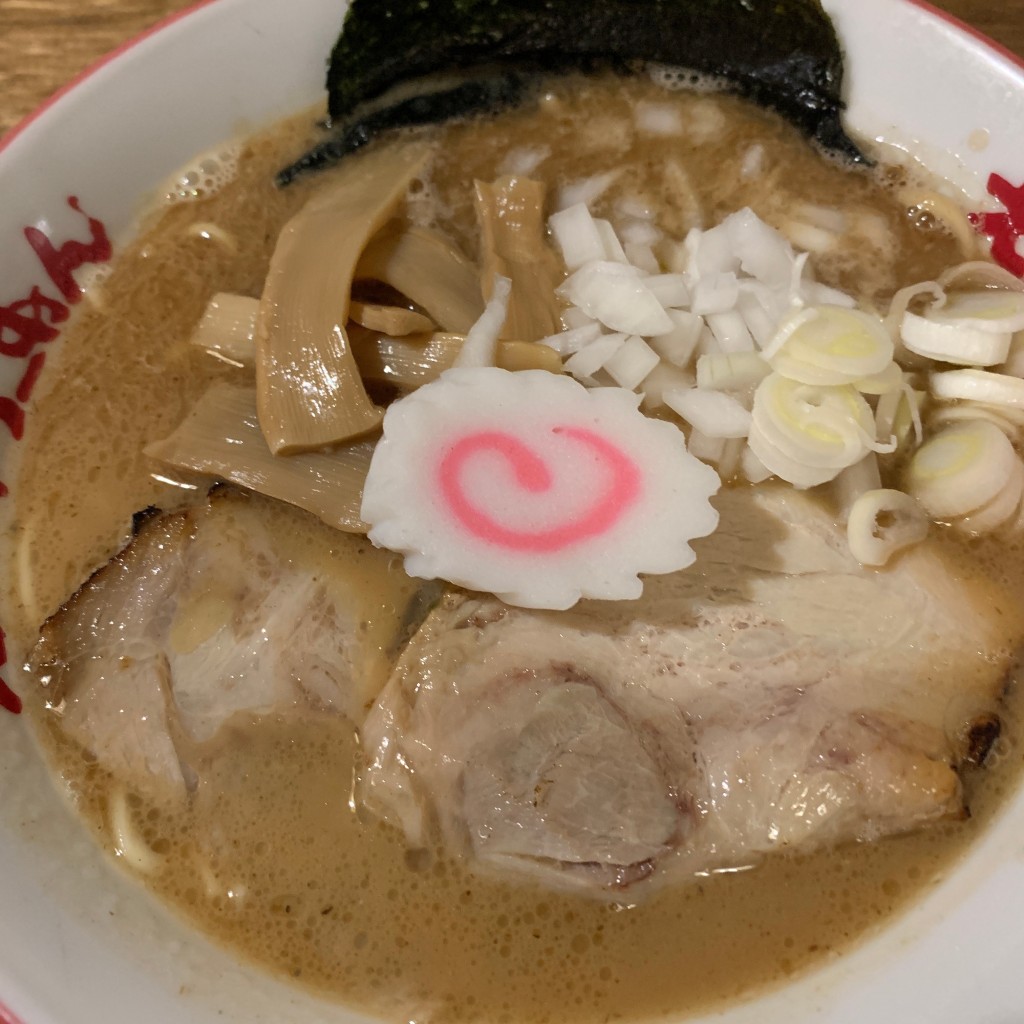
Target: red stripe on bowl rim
x,y
7,1017
971,31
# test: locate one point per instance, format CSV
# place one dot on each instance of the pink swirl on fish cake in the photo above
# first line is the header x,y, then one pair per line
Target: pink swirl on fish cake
x,y
533,475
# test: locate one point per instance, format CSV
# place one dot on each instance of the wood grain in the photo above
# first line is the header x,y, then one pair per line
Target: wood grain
x,y
45,43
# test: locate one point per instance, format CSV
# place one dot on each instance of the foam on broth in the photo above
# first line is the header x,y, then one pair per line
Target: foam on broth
x,y
271,858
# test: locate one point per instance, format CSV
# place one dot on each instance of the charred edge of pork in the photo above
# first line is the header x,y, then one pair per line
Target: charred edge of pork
x,y
981,737
783,54
140,518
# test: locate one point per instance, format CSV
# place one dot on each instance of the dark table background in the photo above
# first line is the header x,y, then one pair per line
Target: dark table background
x,y
44,43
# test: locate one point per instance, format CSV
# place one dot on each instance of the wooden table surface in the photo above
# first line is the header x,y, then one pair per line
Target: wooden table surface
x,y
44,43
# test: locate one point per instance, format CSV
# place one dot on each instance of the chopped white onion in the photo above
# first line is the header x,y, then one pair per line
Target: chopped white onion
x,y
573,316
631,362
664,377
592,357
524,161
753,468
763,252
707,343
610,240
577,236
674,257
586,190
715,293
669,289
827,217
809,237
730,331
565,343
713,413
634,206
728,465
731,371
753,162
658,119
615,294
678,344
707,449
759,322
639,253
713,252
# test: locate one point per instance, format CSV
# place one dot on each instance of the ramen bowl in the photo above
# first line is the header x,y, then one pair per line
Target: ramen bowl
x,y
79,940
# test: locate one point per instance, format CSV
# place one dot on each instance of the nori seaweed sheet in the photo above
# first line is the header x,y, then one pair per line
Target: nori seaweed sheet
x,y
783,54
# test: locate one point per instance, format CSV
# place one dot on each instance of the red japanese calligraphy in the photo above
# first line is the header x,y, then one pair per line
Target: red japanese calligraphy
x,y
12,416
1005,229
27,323
32,321
28,380
9,700
61,263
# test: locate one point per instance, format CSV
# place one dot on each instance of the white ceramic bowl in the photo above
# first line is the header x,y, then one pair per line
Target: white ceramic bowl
x,y
79,942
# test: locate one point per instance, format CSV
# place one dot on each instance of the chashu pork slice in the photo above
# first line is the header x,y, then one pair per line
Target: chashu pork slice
x,y
775,696
210,613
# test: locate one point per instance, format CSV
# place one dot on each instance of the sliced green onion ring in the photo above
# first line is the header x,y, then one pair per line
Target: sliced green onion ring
x,y
942,415
822,427
1000,510
979,386
836,346
881,523
992,309
882,383
981,274
960,341
961,468
779,464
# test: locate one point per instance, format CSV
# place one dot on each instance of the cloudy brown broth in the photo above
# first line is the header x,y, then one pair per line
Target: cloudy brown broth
x,y
269,856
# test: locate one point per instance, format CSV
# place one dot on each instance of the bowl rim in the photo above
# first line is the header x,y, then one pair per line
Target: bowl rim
x,y
57,98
